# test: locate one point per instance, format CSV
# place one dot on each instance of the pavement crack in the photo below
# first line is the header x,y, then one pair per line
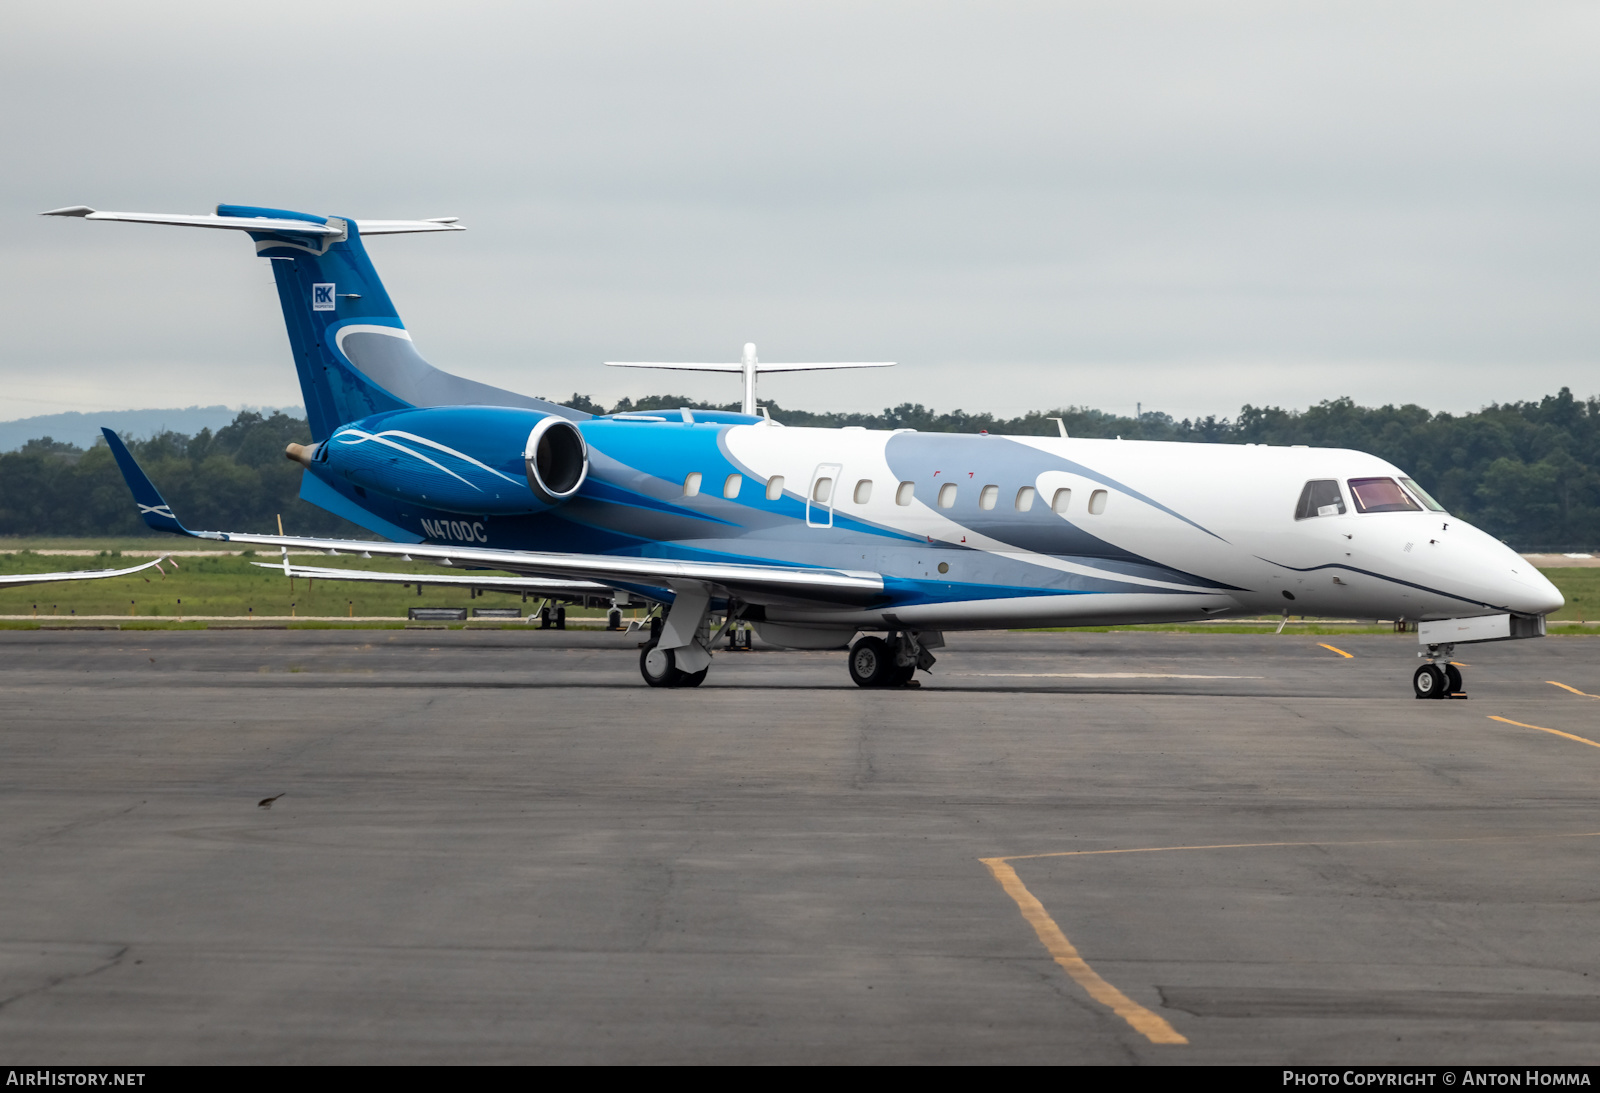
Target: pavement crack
x,y
52,984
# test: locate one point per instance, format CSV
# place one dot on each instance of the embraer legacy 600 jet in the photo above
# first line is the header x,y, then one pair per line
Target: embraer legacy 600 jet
x,y
817,535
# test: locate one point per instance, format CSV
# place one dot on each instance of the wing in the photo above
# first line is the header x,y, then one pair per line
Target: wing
x,y
540,586
75,575
753,583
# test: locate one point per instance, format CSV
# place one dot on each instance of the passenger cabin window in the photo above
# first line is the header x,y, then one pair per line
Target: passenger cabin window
x,y
863,492
1381,495
691,484
947,495
904,494
822,491
1097,502
989,496
1422,495
775,487
730,486
1061,502
1321,497
1025,498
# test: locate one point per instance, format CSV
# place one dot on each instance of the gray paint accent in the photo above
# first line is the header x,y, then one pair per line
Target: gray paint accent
x,y
393,363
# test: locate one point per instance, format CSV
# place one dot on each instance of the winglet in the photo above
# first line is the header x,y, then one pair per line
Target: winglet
x,y
155,510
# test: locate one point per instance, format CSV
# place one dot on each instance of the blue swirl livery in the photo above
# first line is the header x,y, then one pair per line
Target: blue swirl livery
x,y
879,542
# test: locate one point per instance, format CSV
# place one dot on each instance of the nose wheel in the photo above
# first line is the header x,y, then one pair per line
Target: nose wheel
x,y
1437,681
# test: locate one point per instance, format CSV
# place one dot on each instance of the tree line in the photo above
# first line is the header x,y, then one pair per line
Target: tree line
x,y
1526,472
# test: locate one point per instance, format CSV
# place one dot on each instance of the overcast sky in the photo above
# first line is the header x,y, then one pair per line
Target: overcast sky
x,y
1189,205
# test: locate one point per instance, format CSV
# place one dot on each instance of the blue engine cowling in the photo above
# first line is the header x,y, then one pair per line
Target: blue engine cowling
x,y
477,460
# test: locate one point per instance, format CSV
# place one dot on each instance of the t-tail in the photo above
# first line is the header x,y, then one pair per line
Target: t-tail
x,y
352,352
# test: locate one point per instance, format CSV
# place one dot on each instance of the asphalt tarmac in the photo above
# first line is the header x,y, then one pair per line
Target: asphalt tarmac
x,y
1065,848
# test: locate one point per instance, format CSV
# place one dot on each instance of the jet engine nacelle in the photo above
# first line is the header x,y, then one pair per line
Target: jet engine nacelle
x,y
476,460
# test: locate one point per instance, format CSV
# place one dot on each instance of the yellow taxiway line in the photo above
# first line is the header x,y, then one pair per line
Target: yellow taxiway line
x,y
1574,690
1152,1025
1541,728
1341,652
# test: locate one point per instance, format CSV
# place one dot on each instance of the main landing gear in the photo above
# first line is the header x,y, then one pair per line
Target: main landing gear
x,y
660,669
874,662
1438,678
678,653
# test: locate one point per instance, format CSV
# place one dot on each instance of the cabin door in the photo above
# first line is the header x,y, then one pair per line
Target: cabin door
x,y
819,498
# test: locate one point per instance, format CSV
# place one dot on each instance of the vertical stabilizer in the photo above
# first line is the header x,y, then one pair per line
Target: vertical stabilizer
x,y
351,350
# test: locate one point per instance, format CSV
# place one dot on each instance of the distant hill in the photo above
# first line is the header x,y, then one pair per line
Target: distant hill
x,y
84,429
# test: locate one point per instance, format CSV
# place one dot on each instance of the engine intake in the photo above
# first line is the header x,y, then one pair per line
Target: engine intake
x,y
557,460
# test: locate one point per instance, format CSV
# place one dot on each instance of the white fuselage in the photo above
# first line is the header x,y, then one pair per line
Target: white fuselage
x,y
1225,514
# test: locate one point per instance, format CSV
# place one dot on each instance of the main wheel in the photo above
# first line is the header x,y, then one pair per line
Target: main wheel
x,y
692,679
901,675
1452,679
658,668
871,662
561,618
1429,682
613,619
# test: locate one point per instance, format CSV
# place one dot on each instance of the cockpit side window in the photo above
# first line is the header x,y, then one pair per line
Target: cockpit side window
x,y
1421,495
1381,495
1321,497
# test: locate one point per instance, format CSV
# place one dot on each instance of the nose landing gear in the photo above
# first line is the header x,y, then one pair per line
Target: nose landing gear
x,y
1435,679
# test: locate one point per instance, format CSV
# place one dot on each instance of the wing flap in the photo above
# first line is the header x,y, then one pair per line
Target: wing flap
x,y
541,585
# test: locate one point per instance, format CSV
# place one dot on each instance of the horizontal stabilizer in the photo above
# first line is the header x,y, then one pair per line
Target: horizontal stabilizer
x,y
281,225
749,367
761,366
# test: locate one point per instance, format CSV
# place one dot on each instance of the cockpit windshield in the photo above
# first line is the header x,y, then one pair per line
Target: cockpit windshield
x,y
1381,495
1320,498
1422,495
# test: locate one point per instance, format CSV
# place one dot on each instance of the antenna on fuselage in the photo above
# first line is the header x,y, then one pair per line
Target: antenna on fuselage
x,y
749,366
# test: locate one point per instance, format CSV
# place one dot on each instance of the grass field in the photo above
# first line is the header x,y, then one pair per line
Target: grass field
x,y
227,584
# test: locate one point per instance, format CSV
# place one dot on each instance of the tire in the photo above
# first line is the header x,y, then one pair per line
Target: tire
x,y
1452,679
561,618
692,679
663,674
901,675
871,662
1428,682
613,619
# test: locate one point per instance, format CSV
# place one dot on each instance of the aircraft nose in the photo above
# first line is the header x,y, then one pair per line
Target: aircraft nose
x,y
1529,592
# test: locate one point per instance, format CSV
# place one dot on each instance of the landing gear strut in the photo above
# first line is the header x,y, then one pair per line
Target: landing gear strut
x,y
1438,678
